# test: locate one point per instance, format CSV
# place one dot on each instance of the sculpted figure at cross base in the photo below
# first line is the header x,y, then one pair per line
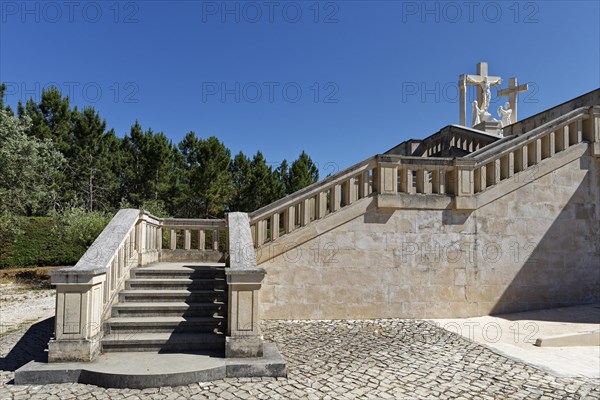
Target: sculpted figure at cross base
x,y
475,113
480,115
505,114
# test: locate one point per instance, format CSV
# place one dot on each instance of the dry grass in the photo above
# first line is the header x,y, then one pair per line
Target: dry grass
x,y
31,278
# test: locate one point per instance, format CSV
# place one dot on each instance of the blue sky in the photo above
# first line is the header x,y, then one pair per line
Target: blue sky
x,y
343,80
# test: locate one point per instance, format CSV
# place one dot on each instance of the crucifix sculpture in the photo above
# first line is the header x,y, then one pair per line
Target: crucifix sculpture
x,y
512,93
483,82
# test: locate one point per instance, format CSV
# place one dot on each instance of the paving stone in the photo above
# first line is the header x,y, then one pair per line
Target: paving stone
x,y
334,359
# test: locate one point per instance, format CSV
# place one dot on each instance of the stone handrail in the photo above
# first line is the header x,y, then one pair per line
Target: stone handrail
x,y
313,202
86,292
527,150
459,179
449,141
467,176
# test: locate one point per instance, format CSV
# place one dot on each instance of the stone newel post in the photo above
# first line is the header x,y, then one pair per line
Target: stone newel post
x,y
244,279
79,300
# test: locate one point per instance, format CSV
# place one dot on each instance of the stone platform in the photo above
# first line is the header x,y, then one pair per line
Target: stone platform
x,y
571,348
143,370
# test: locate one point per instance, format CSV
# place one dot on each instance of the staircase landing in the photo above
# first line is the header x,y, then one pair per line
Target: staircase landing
x,y
141,370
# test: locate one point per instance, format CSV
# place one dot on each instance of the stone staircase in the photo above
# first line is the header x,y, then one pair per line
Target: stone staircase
x,y
170,307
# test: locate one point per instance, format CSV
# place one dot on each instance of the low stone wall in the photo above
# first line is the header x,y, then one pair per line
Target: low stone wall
x,y
536,247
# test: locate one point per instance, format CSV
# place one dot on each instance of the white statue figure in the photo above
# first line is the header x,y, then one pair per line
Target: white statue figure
x,y
487,94
505,114
475,113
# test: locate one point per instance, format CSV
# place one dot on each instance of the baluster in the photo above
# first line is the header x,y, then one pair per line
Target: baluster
x,y
201,239
507,166
561,138
534,152
406,180
547,143
575,132
334,198
421,180
159,238
348,189
438,181
491,173
521,159
480,176
173,239
275,226
187,239
321,203
260,232
305,212
363,185
113,270
215,239
289,220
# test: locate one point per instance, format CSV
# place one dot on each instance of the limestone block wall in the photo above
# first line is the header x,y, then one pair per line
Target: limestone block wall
x,y
536,247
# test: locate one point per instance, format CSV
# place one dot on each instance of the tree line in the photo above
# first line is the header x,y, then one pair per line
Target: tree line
x,y
54,157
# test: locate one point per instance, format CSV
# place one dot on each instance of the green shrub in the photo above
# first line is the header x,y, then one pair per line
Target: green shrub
x,y
58,240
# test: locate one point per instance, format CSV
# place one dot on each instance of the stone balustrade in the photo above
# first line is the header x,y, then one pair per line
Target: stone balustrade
x,y
199,238
528,150
449,182
314,202
86,292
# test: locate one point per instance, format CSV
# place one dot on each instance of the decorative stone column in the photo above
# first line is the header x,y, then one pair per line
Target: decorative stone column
x,y
244,280
79,304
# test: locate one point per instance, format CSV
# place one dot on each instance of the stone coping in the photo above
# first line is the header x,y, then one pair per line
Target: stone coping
x,y
100,253
143,370
241,246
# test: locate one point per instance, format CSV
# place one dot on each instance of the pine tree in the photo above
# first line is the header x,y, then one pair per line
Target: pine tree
x,y
92,157
240,171
303,172
206,178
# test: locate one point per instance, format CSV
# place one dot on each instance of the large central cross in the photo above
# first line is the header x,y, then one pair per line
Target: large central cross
x,y
474,80
512,93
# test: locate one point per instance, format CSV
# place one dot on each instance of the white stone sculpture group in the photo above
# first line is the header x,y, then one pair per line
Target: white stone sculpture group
x,y
484,82
482,114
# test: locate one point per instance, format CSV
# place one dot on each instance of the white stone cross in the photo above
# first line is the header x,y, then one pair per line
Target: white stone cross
x,y
512,92
464,80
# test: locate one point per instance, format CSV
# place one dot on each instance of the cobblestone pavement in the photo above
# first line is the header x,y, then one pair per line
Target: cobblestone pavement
x,y
380,359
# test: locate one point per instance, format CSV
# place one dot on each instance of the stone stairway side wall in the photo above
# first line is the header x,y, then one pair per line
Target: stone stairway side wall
x,y
533,248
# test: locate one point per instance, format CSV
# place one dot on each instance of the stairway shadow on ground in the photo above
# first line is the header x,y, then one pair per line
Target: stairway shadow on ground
x,y
30,347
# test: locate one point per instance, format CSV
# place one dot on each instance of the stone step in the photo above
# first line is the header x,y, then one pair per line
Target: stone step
x,y
167,295
182,273
176,284
216,324
163,342
171,309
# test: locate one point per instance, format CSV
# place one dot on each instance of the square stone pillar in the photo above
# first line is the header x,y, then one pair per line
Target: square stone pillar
x,y
593,130
78,329
387,175
244,280
464,184
243,329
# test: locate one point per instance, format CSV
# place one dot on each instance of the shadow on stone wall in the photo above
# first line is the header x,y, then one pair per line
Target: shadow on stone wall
x,y
564,268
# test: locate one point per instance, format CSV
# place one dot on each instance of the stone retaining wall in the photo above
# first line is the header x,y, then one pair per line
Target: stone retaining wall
x,y
535,247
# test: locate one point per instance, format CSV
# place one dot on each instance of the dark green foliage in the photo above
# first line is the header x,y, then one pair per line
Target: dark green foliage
x,y
205,178
302,173
76,167
38,244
